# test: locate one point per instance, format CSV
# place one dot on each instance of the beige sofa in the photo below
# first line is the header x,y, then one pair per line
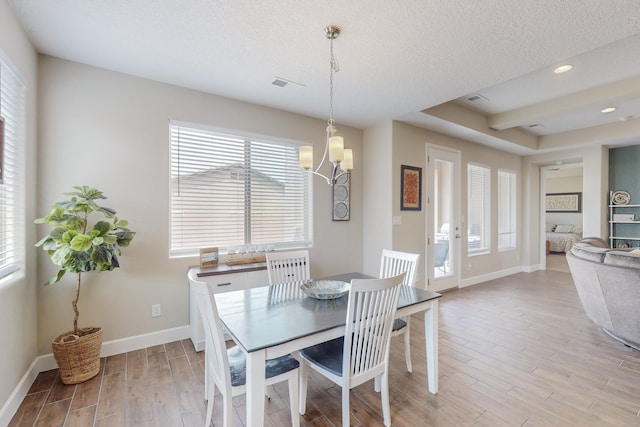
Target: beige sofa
x,y
608,283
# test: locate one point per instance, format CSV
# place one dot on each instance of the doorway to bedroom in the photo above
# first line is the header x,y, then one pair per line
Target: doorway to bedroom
x,y
563,186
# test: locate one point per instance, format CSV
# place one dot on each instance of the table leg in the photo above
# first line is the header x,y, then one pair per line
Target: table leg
x,y
431,338
255,388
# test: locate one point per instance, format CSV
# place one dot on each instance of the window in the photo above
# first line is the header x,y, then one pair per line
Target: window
x,y
230,190
506,210
12,162
479,208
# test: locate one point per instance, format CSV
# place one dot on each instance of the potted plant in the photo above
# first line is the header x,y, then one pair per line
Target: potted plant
x,y
77,246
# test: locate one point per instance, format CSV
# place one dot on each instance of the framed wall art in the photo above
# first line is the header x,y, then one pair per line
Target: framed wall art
x,y
563,202
410,188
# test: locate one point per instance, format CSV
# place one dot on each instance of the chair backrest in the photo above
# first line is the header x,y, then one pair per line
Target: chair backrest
x,y
215,347
393,263
283,292
287,267
440,252
370,314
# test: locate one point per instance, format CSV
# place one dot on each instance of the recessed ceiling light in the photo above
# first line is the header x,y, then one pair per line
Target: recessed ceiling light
x,y
563,68
608,110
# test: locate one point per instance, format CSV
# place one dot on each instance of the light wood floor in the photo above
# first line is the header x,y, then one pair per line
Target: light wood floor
x,y
557,262
517,351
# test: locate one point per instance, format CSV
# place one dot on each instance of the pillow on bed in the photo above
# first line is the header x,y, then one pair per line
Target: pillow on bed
x,y
563,228
550,228
577,229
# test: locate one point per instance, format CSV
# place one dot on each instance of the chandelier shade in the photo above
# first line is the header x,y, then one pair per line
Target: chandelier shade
x,y
340,158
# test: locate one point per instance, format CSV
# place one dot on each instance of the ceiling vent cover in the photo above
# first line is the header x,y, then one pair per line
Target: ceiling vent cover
x,y
477,97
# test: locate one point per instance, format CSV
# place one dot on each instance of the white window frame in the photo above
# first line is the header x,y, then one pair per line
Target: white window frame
x,y
478,209
12,194
507,218
268,206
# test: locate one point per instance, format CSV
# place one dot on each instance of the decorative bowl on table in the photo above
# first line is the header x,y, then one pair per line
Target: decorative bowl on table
x,y
325,289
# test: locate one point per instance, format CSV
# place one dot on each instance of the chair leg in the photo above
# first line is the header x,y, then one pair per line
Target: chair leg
x,y
227,413
386,411
376,384
302,375
346,412
206,381
407,345
210,392
293,399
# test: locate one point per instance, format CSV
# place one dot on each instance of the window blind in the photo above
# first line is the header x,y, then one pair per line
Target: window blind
x,y
479,208
12,162
506,210
230,190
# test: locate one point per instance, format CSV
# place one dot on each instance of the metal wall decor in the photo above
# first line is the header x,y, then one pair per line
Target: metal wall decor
x,y
342,198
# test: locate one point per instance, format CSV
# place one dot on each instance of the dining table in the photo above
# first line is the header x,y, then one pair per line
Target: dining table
x,y
271,321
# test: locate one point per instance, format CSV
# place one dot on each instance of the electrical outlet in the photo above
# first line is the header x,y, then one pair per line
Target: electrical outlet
x,y
156,310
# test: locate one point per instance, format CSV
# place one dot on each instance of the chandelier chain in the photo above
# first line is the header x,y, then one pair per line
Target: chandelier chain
x,y
331,69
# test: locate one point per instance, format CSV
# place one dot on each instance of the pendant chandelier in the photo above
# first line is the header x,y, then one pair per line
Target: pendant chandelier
x,y
341,158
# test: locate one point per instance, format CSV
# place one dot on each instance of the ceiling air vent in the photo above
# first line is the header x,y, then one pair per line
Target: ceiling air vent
x,y
476,97
282,82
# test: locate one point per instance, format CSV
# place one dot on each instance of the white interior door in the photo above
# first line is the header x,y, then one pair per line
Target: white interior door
x,y
443,219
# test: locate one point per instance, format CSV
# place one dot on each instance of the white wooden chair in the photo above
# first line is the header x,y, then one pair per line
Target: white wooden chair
x,y
225,369
363,353
288,267
393,263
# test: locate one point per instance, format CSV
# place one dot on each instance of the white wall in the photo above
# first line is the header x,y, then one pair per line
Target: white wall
x,y
18,310
563,184
409,145
378,192
110,131
595,163
410,236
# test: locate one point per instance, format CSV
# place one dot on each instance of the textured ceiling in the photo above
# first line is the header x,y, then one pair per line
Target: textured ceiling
x,y
402,60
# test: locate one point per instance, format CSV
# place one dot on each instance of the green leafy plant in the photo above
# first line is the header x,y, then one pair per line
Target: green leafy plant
x,y
78,247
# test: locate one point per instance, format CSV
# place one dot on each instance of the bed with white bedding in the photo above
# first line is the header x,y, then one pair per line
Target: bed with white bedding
x,y
561,237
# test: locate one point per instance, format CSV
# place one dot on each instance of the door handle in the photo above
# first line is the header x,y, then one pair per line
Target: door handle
x,y
457,236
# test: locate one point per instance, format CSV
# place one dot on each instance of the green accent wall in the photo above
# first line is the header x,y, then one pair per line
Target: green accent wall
x,y
624,174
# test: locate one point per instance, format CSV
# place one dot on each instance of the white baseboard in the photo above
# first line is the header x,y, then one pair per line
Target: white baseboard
x,y
46,362
532,268
17,396
491,276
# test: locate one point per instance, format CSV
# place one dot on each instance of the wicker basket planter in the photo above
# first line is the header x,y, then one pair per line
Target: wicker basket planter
x,y
78,356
